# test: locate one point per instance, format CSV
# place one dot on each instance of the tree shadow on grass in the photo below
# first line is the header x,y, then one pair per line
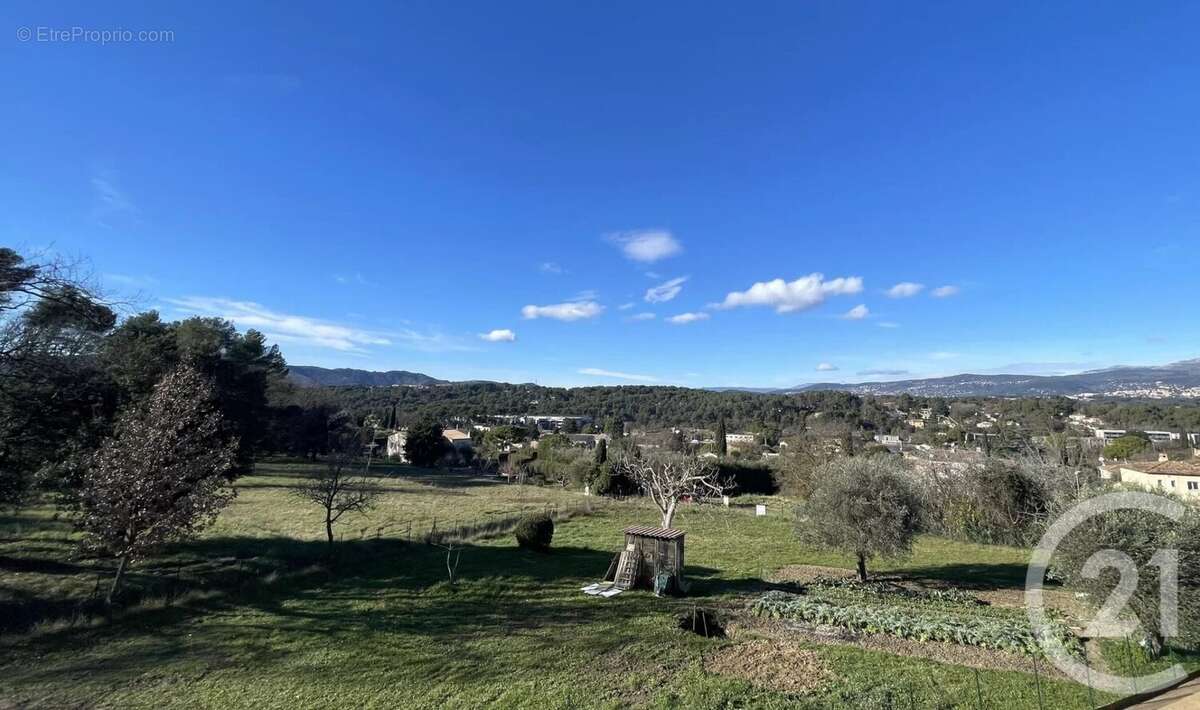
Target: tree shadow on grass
x,y
979,576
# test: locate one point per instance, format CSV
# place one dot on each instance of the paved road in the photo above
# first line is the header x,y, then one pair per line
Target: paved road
x,y
1185,697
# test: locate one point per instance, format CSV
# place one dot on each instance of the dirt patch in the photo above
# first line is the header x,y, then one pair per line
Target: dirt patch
x,y
775,665
804,574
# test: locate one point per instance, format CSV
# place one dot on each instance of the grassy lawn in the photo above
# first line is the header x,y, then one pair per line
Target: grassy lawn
x,y
258,620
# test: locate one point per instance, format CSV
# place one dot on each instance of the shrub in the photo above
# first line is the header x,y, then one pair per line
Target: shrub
x,y
534,532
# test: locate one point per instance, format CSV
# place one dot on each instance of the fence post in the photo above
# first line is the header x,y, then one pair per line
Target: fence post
x,y
978,690
1037,679
1087,668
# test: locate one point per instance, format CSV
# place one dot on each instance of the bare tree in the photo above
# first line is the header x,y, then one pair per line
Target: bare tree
x,y
668,478
338,489
162,476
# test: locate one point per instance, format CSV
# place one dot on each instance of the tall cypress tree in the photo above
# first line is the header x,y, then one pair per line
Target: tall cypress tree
x,y
722,447
601,451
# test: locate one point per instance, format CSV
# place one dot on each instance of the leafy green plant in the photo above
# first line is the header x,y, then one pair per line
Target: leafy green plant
x,y
1012,635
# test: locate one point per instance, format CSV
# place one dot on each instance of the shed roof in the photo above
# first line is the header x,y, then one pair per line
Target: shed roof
x,y
658,533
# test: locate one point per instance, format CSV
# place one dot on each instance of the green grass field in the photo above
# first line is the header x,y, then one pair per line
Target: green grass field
x,y
249,615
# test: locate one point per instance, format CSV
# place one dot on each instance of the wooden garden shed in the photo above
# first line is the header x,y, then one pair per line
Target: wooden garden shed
x,y
649,551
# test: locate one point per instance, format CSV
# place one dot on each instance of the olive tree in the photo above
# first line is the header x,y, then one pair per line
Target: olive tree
x,y
667,478
162,476
864,506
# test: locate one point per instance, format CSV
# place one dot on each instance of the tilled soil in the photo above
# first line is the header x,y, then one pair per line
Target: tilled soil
x,y
772,664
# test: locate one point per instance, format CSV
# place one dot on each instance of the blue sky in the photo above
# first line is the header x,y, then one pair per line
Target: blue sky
x,y
379,187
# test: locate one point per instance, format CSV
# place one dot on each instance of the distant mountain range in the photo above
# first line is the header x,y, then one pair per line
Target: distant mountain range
x,y
310,376
1178,379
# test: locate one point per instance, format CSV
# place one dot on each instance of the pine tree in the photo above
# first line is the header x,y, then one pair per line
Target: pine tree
x,y
722,446
601,451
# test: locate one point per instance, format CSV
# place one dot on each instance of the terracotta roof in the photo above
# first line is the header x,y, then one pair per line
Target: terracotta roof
x,y
658,533
1166,468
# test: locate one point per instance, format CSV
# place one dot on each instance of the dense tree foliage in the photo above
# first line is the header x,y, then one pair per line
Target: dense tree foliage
x,y
425,445
640,405
55,402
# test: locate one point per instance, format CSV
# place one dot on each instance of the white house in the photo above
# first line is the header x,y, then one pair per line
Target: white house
x,y
1155,435
733,439
1178,477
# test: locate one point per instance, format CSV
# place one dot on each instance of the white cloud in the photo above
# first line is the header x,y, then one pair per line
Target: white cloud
x,y
943,355
685,318
499,335
285,327
570,311
857,313
597,372
665,291
642,316
905,289
826,367
647,246
626,306
789,296
888,324
945,291
550,267
111,205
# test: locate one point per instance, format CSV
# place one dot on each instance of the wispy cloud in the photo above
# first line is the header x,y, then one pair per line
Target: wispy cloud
x,y
356,279
131,281
685,318
857,313
598,372
499,335
945,291
282,326
882,373
550,267
646,246
826,367
641,316
314,332
665,291
905,289
626,306
790,296
887,324
569,311
111,205
942,355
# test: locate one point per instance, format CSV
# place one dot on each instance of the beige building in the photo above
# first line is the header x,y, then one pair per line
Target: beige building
x,y
1179,477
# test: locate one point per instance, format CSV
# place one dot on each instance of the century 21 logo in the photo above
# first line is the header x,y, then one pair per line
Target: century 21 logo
x,y
1108,622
